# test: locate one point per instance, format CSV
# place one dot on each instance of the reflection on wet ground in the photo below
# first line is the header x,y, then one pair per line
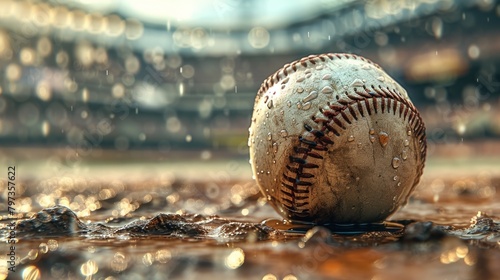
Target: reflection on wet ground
x,y
207,224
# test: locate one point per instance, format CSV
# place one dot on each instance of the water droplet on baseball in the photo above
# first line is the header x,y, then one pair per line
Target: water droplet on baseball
x,y
267,114
409,132
383,137
286,80
381,78
396,162
268,197
289,103
299,105
306,106
327,90
365,66
282,112
300,90
308,75
395,178
406,142
269,136
350,138
294,120
372,131
357,83
284,133
270,104
360,145
404,154
319,67
327,77
301,79
275,147
311,96
399,184
372,139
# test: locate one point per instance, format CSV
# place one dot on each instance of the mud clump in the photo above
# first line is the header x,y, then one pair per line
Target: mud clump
x,y
59,220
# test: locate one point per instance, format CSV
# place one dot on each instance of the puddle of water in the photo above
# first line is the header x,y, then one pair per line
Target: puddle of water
x,y
181,227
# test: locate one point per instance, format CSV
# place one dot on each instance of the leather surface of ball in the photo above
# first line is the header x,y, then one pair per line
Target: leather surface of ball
x,y
334,139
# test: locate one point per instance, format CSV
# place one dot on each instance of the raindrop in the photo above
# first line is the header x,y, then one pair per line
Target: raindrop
x,y
289,103
408,132
299,105
406,142
357,83
327,90
399,184
45,128
306,106
269,136
327,77
396,162
381,78
270,104
284,133
395,178
383,137
372,131
275,147
311,96
350,138
300,79
300,90
372,139
85,95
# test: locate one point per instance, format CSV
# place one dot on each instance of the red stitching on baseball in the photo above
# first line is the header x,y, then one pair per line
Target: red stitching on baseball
x,y
293,195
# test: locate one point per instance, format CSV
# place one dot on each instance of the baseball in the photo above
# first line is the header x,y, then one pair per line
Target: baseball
x,y
334,139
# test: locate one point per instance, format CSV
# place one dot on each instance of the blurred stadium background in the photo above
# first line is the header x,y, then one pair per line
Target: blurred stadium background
x,y
169,76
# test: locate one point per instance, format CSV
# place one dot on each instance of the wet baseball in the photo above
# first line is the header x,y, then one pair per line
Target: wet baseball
x,y
334,139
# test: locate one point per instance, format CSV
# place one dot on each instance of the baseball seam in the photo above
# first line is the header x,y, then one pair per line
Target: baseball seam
x,y
296,184
292,67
